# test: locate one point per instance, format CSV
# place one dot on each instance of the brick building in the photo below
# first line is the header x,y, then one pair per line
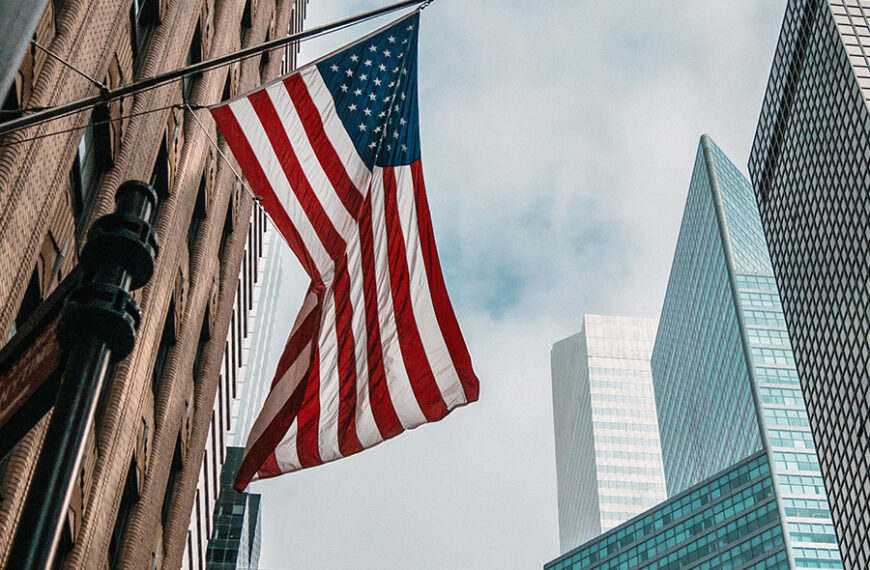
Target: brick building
x,y
132,502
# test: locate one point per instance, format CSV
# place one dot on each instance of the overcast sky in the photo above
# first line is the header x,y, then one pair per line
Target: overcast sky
x,y
558,139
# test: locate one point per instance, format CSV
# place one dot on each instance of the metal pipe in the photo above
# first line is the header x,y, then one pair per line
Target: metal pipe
x,y
151,82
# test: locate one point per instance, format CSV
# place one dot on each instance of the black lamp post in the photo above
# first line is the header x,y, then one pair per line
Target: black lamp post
x,y
98,326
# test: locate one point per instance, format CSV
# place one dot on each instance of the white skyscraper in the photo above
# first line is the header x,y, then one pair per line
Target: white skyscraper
x,y
608,454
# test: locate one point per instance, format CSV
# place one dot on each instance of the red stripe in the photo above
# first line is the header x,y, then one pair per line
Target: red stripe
x,y
336,247
443,309
265,110
379,395
235,137
326,155
413,354
348,440
260,450
307,446
269,468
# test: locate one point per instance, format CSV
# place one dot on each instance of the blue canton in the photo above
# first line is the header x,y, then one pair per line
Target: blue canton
x,y
374,86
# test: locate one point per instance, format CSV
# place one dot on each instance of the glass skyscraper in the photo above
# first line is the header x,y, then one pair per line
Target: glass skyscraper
x,y
608,457
235,542
811,167
731,520
724,374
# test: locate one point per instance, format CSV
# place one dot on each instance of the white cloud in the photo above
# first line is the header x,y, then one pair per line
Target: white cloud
x,y
558,143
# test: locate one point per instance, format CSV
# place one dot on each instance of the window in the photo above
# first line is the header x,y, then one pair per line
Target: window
x,y
144,16
194,55
128,499
93,158
160,177
199,212
246,23
167,339
226,232
31,300
204,336
174,470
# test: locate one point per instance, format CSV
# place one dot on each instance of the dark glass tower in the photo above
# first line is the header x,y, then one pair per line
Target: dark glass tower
x,y
810,164
235,542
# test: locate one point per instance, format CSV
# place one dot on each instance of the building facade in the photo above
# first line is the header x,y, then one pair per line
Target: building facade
x,y
725,381
810,164
608,457
132,502
728,521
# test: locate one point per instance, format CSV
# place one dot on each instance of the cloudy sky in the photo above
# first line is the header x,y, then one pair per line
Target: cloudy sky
x,y
558,141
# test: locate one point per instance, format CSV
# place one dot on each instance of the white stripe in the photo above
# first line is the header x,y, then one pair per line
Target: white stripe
x,y
286,455
347,227
262,148
356,169
366,427
327,432
398,384
313,171
437,354
285,386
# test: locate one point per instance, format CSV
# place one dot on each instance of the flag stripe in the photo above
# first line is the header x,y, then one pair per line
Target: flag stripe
x,y
421,300
328,387
308,416
398,383
379,396
279,184
348,440
322,148
243,152
443,309
356,169
422,381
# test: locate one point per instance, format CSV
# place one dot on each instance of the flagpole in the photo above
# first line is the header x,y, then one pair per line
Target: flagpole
x,y
107,95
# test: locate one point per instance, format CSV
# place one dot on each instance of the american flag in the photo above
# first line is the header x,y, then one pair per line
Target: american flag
x,y
334,150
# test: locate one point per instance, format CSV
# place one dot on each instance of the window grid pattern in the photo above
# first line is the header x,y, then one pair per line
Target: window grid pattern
x,y
727,521
811,166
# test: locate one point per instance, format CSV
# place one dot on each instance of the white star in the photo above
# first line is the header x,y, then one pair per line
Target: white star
x,y
382,67
389,147
391,39
386,53
352,107
396,107
344,88
372,96
349,72
404,71
382,114
367,63
396,134
373,145
362,127
404,42
404,148
358,92
386,99
396,69
377,82
409,28
401,55
333,67
363,77
373,48
377,129
402,121
354,58
403,96
392,84
368,112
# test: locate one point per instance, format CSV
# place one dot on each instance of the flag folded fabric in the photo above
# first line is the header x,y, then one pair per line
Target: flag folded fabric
x,y
334,151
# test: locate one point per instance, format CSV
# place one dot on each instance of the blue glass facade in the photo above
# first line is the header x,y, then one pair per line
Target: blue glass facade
x,y
731,520
723,368
235,540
